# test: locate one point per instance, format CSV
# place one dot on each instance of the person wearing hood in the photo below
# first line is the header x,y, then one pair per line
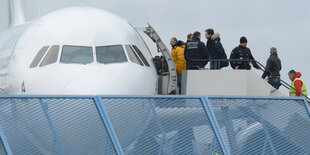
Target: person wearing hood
x,y
297,85
242,52
195,49
177,54
273,69
215,49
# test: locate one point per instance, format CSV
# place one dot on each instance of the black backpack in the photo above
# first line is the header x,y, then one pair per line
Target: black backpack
x,y
223,56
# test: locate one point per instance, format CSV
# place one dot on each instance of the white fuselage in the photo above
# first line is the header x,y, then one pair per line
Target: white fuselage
x,y
79,27
83,27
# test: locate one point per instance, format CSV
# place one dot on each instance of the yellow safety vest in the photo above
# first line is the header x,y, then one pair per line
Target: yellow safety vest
x,y
303,88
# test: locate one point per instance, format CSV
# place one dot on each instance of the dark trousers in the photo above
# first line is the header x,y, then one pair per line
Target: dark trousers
x,y
179,82
214,65
275,82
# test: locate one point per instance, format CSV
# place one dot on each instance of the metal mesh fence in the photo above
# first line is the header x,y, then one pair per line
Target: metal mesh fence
x,y
263,126
140,125
162,126
2,148
54,126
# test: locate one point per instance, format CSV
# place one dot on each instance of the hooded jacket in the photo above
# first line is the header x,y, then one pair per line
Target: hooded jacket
x,y
216,49
195,49
177,54
273,66
298,83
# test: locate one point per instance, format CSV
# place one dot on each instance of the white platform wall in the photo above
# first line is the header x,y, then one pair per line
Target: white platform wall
x,y
226,82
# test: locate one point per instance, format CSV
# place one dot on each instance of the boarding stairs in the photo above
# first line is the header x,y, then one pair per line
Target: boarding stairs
x,y
171,74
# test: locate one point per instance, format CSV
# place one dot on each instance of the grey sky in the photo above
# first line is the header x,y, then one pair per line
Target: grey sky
x,y
280,23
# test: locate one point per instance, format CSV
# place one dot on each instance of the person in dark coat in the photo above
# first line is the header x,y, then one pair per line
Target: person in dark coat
x,y
273,69
243,53
215,49
195,49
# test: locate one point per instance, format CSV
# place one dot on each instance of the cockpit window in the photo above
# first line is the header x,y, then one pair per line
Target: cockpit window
x,y
110,54
39,57
141,55
132,55
77,54
51,56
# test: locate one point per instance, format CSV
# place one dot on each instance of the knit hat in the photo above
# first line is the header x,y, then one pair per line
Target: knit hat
x,y
273,50
243,40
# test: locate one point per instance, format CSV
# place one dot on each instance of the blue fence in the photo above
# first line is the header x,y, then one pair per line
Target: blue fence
x,y
135,125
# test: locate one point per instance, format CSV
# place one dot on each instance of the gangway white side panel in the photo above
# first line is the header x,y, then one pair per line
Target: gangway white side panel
x,y
226,82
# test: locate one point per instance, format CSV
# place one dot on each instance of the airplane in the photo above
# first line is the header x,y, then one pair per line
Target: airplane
x,y
89,51
74,51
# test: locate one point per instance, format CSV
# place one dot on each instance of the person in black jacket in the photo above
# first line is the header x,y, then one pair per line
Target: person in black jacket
x,y
273,69
195,49
243,53
215,49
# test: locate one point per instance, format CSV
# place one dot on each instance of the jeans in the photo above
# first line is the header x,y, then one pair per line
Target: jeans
x,y
179,81
275,82
214,65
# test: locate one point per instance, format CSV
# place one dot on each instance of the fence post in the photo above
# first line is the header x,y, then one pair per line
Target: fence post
x,y
6,145
264,127
213,121
307,106
108,125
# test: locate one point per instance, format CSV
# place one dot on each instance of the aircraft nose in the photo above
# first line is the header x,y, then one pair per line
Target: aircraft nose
x,y
96,85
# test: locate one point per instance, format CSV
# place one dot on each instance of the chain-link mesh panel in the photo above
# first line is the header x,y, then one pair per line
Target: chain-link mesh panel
x,y
2,148
263,126
162,126
54,126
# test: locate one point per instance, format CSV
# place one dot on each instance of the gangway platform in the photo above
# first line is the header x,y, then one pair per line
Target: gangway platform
x,y
140,125
226,82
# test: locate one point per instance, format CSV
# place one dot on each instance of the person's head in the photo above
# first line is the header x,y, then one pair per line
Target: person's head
x,y
273,50
197,34
291,74
173,41
209,33
243,41
189,36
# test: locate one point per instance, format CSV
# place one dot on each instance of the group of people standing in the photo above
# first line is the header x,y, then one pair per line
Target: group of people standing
x,y
194,54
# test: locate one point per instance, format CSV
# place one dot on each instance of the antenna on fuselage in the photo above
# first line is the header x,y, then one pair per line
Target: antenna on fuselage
x,y
16,13
10,13
39,11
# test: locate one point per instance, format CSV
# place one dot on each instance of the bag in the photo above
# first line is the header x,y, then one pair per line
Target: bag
x,y
224,63
223,56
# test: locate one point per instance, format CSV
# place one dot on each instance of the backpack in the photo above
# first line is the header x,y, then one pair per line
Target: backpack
x,y
224,63
223,56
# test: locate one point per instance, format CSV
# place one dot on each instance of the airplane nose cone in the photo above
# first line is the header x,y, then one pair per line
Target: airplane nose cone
x,y
96,85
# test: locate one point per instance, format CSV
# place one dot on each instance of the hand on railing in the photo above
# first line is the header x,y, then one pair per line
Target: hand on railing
x,y
261,67
241,62
286,85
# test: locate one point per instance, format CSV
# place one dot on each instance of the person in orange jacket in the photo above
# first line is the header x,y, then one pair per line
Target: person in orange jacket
x,y
297,85
177,54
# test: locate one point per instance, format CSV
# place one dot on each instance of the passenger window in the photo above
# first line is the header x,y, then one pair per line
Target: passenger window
x,y
132,55
110,54
51,56
141,55
77,54
39,57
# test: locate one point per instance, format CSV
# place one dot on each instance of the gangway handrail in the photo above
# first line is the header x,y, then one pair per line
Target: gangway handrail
x,y
262,68
285,84
172,83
